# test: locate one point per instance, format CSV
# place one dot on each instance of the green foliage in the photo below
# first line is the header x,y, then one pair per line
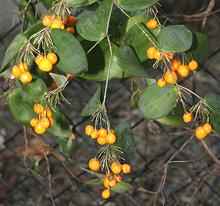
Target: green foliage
x,y
94,27
156,102
72,58
79,3
175,38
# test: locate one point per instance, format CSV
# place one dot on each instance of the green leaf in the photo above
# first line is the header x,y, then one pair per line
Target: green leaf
x,y
213,101
137,39
61,126
33,30
122,187
29,9
93,105
125,139
122,66
79,3
127,60
59,79
33,91
66,145
175,38
37,164
215,121
21,110
175,118
12,51
200,47
47,3
94,27
156,102
72,58
134,5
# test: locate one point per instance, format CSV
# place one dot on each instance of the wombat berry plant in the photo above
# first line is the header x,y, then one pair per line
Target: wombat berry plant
x,y
70,41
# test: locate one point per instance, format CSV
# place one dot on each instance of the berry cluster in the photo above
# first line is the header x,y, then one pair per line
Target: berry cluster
x,y
70,23
102,135
54,22
45,63
21,71
203,130
44,120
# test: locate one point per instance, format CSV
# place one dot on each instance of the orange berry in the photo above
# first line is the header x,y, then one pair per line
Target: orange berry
x,y
52,57
25,65
170,77
47,20
152,24
118,178
183,71
26,77
200,133
45,122
70,30
72,20
103,132
94,134
53,85
33,122
106,183
51,121
39,129
207,128
106,194
112,183
16,71
111,138
170,55
49,112
157,55
69,76
38,59
175,65
187,117
150,52
161,83
101,140
45,65
38,108
94,164
89,130
43,114
193,65
116,167
57,24
126,168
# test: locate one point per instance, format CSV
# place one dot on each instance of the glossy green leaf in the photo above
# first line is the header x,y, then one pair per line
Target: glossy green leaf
x,y
59,79
12,51
215,121
79,3
94,27
175,118
134,5
156,102
61,126
93,105
33,91
72,58
175,38
122,187
33,30
21,110
200,47
213,101
47,3
125,139
138,40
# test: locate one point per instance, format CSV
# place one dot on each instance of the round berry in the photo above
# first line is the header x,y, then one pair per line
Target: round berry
x,y
70,30
161,83
101,140
39,129
118,177
38,59
45,122
33,122
47,20
112,183
175,65
116,167
38,108
183,71
106,183
52,57
126,168
207,128
106,194
152,24
103,132
111,138
45,65
26,77
187,117
94,134
193,65
200,133
16,71
49,112
150,52
157,55
170,77
94,164
89,130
